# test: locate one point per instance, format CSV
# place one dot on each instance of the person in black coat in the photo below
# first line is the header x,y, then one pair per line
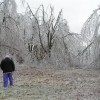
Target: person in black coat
x,y
7,66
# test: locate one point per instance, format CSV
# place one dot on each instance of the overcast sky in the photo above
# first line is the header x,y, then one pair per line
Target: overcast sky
x,y
75,12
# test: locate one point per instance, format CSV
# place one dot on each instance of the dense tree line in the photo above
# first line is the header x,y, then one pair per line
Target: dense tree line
x,y
43,38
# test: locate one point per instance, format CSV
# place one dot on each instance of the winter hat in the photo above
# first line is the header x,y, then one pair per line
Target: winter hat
x,y
8,56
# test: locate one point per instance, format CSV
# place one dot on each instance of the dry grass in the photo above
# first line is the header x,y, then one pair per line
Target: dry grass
x,y
36,84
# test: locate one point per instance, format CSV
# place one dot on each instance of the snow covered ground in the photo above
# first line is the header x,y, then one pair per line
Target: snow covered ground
x,y
35,84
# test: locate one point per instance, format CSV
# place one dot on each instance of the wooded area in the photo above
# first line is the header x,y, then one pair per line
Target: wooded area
x,y
39,37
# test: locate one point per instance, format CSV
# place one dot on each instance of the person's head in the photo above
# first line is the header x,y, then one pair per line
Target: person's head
x,y
8,56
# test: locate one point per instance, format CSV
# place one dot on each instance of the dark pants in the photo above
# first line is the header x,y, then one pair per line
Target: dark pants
x,y
6,77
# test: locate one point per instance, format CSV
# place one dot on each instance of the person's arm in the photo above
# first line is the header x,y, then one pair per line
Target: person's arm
x,y
13,66
1,65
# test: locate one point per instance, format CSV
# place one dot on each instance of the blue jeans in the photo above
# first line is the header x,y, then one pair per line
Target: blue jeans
x,y
6,77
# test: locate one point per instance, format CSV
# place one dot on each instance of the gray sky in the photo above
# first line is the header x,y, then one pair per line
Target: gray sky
x,y
75,12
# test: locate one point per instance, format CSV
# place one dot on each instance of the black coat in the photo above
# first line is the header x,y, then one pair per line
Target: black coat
x,y
7,65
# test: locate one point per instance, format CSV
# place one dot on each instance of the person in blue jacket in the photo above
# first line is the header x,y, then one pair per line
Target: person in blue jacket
x,y
7,66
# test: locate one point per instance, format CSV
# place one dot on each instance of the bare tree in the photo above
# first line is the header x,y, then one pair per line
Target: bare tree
x,y
48,27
